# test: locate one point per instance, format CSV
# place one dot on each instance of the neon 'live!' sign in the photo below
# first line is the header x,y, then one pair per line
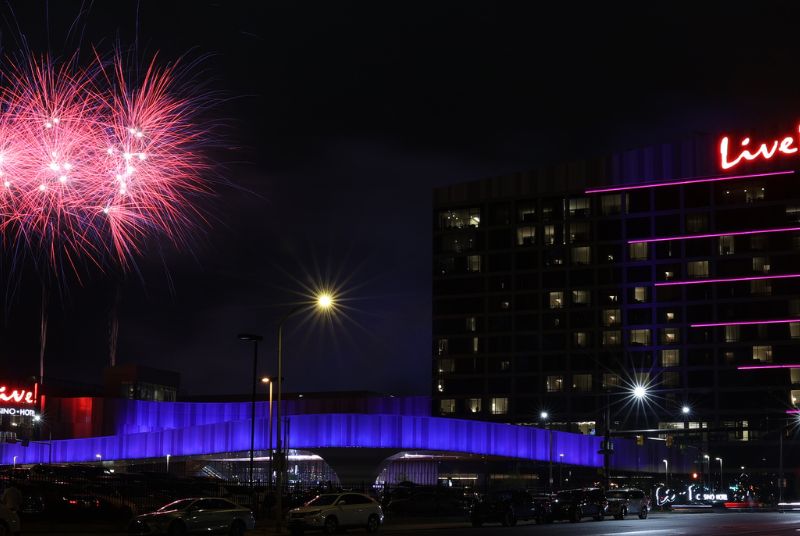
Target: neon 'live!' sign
x,y
17,396
733,154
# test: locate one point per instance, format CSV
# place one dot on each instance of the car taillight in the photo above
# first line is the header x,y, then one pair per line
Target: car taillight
x,y
72,501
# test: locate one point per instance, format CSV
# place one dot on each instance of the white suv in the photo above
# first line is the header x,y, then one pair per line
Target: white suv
x,y
332,511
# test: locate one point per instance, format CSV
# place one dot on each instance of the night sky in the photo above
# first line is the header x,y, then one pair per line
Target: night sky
x,y
337,121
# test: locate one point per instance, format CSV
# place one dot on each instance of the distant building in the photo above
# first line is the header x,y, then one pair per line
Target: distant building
x,y
137,382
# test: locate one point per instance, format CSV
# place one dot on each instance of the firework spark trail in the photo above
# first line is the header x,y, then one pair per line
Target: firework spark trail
x,y
93,166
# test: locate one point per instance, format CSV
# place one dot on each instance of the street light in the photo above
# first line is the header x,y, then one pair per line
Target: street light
x,y
666,473
268,381
721,482
544,416
686,410
707,458
15,463
255,339
640,392
168,457
560,464
99,457
323,302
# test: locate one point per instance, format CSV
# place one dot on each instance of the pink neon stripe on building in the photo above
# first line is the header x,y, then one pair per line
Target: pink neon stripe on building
x,y
746,323
684,181
725,280
792,411
714,235
763,367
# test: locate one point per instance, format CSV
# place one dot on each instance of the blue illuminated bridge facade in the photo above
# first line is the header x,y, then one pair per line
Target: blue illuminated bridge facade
x,y
152,430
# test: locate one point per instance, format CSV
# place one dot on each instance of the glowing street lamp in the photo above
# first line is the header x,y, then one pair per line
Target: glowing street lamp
x,y
324,302
168,457
686,410
721,482
268,381
255,339
545,416
639,392
15,463
666,473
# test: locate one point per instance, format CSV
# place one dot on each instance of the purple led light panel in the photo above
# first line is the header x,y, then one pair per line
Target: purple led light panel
x,y
684,181
746,323
713,235
725,280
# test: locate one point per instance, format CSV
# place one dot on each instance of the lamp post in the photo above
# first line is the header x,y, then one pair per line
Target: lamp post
x,y
168,457
268,381
546,418
14,463
249,337
323,302
721,482
666,473
639,394
560,465
707,458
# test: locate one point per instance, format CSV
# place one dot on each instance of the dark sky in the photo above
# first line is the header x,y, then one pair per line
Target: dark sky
x,y
340,118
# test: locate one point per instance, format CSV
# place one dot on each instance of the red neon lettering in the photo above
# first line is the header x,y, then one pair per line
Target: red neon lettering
x,y
22,396
765,150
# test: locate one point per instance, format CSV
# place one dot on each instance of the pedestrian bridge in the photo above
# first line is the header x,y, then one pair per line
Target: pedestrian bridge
x,y
153,430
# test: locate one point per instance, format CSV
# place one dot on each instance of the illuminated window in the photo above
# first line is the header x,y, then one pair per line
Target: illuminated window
x,y
474,405
640,337
793,213
612,338
578,231
474,263
752,195
579,206
611,204
761,287
549,235
729,357
697,268
475,345
447,406
447,365
611,380
556,300
669,275
581,255
613,298
670,379
731,333
640,294
505,304
555,384
611,317
794,375
505,365
582,382
638,251
670,358
458,243
641,378
499,405
581,297
696,223
526,236
442,346
794,330
763,353
670,316
795,397
670,335
527,211
472,323
460,218
580,339
761,264
726,245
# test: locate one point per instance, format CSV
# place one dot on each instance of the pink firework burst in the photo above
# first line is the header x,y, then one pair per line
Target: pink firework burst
x,y
92,165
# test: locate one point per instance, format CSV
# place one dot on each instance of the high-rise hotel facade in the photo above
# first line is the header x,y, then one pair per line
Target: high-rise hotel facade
x,y
675,268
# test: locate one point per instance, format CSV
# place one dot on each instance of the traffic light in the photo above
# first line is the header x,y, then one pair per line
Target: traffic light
x,y
640,440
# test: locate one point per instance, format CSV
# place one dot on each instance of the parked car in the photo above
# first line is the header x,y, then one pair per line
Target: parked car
x,y
198,515
575,504
330,512
508,507
622,502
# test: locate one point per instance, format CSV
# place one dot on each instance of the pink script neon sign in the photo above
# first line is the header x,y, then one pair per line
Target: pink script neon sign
x,y
19,396
765,151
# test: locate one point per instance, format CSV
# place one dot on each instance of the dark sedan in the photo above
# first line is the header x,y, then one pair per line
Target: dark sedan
x,y
508,507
